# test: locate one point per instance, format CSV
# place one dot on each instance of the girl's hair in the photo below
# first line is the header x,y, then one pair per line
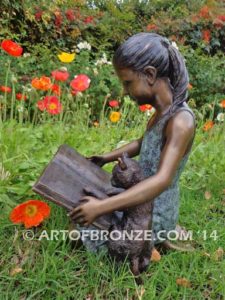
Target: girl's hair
x,y
151,49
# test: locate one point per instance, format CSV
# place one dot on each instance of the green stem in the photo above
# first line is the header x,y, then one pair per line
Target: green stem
x,y
5,96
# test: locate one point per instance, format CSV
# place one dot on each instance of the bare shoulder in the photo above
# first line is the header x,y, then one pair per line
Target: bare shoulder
x,y
181,124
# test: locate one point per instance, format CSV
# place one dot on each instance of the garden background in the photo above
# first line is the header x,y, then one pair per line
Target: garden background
x,y
58,86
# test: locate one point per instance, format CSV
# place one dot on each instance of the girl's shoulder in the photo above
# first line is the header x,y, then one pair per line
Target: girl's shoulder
x,y
181,126
183,117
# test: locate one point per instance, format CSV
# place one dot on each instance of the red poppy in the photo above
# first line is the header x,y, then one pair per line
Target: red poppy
x,y
12,48
219,21
58,18
30,213
114,103
43,83
206,35
38,15
145,107
52,105
80,83
208,125
5,89
151,27
89,20
56,89
20,97
60,75
70,15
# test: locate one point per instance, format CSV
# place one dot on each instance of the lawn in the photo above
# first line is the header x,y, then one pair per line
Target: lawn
x,y
44,269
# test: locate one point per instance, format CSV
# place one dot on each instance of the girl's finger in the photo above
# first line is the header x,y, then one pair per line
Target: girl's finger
x,y
84,199
74,211
79,221
76,216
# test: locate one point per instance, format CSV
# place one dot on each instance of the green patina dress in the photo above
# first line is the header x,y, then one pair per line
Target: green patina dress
x,y
166,205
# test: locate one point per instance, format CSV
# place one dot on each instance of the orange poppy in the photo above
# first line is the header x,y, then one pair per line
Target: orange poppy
x,y
43,83
204,12
222,103
30,213
151,27
5,89
96,123
208,125
206,35
190,86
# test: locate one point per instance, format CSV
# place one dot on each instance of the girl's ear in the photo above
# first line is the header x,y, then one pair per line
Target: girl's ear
x,y
151,74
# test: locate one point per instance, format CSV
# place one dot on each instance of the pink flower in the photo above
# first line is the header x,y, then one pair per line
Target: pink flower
x,y
41,105
80,83
60,75
114,103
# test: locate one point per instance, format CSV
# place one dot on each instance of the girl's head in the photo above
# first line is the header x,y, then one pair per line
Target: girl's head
x,y
147,54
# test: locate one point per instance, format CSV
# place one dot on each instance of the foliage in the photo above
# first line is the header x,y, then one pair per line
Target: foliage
x,y
42,269
60,24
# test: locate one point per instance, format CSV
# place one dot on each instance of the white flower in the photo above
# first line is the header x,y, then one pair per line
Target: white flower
x,y
220,117
20,108
174,44
63,69
103,61
84,45
26,55
26,89
4,175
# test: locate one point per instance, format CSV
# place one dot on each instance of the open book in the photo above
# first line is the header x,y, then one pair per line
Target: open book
x,y
67,175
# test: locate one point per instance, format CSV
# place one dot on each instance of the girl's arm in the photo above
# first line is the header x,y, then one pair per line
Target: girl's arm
x,y
179,133
133,149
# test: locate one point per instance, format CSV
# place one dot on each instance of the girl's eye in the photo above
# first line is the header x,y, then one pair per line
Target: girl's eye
x,y
126,82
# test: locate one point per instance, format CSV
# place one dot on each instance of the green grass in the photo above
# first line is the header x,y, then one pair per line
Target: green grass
x,y
55,270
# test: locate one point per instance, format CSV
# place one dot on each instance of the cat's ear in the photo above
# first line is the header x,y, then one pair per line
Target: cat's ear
x,y
121,163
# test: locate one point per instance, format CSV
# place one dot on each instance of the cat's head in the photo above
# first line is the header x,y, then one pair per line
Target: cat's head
x,y
126,172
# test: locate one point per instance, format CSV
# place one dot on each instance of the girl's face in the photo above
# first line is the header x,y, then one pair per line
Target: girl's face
x,y
136,85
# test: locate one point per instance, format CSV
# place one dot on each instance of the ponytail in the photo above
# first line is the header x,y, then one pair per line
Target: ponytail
x,y
178,76
151,49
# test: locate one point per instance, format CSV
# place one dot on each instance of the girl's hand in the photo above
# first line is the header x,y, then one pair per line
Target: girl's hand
x,y
97,159
87,212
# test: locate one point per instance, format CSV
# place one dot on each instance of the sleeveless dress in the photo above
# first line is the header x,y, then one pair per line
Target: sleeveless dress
x,y
166,205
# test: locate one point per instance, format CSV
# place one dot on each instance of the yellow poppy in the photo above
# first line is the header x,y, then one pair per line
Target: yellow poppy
x,y
115,116
66,57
